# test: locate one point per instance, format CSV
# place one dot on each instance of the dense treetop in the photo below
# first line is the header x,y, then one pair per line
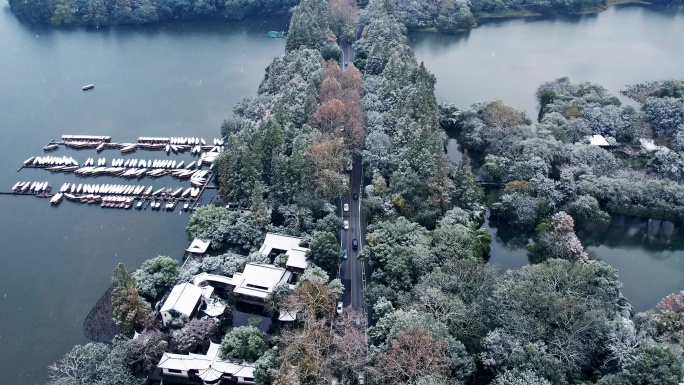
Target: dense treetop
x,y
550,166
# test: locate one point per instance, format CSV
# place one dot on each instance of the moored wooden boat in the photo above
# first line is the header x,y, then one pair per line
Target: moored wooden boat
x,y
56,199
129,148
51,147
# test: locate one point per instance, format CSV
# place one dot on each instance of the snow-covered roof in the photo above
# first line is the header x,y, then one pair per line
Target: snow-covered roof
x,y
207,291
296,257
259,280
206,277
183,298
198,246
287,315
245,371
598,140
210,366
279,242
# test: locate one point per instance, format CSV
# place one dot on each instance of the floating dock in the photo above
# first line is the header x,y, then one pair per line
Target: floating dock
x,y
112,195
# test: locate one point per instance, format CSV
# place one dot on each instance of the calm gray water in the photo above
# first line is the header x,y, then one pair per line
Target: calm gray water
x,y
509,59
157,80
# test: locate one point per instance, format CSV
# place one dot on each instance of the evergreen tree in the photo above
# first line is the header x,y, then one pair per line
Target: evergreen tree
x,y
467,194
259,210
129,310
325,251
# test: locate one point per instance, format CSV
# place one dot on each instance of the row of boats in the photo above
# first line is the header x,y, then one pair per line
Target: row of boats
x,y
68,164
144,140
85,141
177,140
31,187
47,161
195,149
130,190
142,163
86,138
197,177
119,202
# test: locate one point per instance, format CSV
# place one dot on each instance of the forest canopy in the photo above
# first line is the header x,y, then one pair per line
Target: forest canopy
x,y
441,15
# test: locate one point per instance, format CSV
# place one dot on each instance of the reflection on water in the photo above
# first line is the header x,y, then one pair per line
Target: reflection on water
x,y
436,43
654,236
508,245
453,150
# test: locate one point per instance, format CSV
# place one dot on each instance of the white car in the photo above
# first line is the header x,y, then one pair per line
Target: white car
x,y
346,224
339,308
345,207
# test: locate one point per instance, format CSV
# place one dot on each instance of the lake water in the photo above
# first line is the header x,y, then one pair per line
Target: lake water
x,y
509,59
170,80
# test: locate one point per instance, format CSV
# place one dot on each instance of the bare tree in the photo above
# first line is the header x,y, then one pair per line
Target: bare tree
x,y
144,352
305,355
93,363
195,333
351,346
414,354
313,298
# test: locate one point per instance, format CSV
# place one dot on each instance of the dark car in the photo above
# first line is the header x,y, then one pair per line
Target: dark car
x,y
355,244
356,197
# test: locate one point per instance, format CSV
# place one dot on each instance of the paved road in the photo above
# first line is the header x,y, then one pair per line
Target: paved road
x,y
352,270
347,54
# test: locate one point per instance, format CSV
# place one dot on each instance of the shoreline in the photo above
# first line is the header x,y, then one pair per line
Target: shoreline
x,y
484,18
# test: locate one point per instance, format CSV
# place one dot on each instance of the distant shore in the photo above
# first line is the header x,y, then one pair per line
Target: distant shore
x,y
521,14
